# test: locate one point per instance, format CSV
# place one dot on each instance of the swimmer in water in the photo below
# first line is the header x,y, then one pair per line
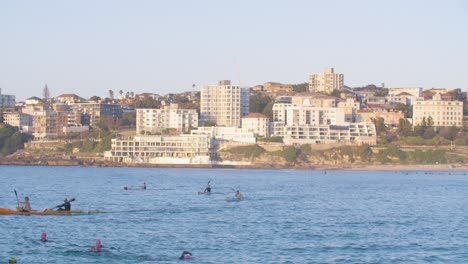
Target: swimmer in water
x,y
97,247
44,237
185,255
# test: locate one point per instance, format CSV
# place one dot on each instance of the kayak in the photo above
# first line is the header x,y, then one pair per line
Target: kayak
x,y
233,199
207,193
6,211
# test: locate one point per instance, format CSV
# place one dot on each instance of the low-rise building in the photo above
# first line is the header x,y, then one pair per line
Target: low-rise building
x,y
19,120
182,149
257,123
354,133
234,134
414,91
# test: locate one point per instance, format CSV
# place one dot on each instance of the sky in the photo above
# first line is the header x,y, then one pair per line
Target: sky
x,y
89,47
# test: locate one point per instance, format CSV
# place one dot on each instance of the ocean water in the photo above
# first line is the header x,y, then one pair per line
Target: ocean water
x,y
288,216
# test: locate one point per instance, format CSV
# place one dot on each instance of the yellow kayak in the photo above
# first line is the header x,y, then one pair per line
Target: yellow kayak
x,y
6,211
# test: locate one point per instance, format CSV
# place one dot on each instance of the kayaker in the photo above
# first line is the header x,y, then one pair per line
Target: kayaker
x,y
66,206
12,260
185,255
27,206
239,195
144,186
208,188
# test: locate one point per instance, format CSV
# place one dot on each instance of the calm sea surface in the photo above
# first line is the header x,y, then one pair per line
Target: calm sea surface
x,y
287,216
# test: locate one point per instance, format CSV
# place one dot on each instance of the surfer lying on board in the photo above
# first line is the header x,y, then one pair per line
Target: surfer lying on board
x,y
27,205
66,206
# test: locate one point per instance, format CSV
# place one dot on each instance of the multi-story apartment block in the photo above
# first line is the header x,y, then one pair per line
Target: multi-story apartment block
x,y
257,123
304,115
224,104
443,113
97,110
183,149
326,82
34,101
6,101
45,124
152,121
20,120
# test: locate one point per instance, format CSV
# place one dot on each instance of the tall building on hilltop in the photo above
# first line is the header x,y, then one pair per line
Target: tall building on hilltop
x,y
326,82
224,104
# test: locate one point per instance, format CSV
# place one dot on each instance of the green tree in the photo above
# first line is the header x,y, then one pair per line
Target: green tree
x,y
404,127
258,102
380,126
95,98
268,110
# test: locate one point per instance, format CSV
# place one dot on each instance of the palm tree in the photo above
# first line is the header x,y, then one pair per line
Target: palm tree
x,y
111,94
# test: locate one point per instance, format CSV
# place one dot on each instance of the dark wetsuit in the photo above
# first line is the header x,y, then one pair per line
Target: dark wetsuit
x,y
65,206
208,189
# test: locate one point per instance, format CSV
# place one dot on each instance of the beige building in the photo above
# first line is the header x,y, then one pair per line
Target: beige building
x,y
20,120
69,99
350,107
315,99
97,110
183,149
153,121
45,124
224,104
257,123
443,113
326,82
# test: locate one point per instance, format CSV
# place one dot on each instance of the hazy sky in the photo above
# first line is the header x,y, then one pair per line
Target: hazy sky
x,y
89,47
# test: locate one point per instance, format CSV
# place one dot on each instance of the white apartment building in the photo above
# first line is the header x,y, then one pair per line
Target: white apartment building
x,y
290,114
257,123
326,82
414,91
224,104
183,149
443,113
6,100
226,134
152,121
354,133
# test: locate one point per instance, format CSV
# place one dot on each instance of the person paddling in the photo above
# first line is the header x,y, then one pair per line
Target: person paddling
x,y
185,255
239,195
66,206
208,188
144,186
27,206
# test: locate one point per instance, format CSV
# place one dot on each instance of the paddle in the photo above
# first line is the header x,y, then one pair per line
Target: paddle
x,y
17,200
71,200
